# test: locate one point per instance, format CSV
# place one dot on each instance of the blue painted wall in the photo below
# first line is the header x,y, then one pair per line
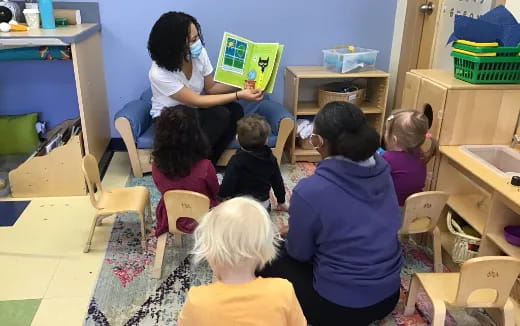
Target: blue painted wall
x,y
305,27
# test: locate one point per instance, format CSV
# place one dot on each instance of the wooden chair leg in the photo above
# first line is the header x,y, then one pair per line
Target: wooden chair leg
x,y
509,313
437,251
159,256
91,233
439,313
177,239
142,218
412,296
149,211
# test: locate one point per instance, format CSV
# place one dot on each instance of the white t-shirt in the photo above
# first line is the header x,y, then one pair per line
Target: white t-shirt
x,y
166,83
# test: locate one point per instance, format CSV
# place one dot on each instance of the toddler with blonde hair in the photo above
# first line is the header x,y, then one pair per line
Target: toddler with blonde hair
x,y
406,132
237,238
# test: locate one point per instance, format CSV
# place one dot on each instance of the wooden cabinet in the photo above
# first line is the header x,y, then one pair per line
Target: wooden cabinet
x,y
462,113
485,201
301,98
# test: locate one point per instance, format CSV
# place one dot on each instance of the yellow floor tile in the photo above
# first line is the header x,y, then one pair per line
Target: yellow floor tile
x,y
75,276
61,311
42,254
25,276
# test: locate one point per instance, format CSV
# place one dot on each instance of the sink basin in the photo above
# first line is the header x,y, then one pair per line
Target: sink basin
x,y
500,158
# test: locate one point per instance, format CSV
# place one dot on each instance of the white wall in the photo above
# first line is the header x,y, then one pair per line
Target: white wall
x,y
514,7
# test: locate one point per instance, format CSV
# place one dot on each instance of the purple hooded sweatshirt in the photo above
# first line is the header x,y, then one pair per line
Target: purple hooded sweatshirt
x,y
344,220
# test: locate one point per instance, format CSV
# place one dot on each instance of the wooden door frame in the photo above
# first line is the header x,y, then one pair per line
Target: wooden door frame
x,y
405,50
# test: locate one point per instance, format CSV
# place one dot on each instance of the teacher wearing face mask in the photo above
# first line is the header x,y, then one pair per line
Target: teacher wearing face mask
x,y
181,73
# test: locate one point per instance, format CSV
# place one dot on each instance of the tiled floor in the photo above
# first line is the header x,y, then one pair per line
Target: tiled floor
x,y
42,254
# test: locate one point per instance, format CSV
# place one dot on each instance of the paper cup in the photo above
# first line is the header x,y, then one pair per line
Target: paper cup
x,y
32,17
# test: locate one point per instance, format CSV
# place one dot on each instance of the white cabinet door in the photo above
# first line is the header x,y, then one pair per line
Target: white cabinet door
x,y
446,20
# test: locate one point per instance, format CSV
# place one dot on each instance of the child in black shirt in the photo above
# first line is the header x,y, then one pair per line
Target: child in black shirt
x,y
253,170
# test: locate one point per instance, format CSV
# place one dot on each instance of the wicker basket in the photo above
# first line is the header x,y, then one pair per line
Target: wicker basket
x,y
325,95
304,143
464,246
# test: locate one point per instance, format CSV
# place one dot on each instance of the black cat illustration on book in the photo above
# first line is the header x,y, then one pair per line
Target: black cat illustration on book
x,y
263,63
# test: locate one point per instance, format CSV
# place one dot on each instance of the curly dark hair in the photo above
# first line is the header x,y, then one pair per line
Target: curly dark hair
x,y
347,131
168,41
179,141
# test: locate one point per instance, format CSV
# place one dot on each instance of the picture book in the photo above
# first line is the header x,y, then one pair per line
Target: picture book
x,y
246,64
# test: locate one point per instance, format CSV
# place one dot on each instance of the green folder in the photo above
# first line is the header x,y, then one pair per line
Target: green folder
x,y
246,64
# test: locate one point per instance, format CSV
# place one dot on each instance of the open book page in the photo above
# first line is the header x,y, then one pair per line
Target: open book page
x,y
246,64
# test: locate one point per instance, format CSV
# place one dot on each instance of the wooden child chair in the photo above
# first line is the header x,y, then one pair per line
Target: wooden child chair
x,y
113,201
179,203
420,215
483,282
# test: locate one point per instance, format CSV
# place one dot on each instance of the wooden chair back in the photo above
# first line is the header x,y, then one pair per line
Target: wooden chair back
x,y
498,273
92,177
183,203
422,211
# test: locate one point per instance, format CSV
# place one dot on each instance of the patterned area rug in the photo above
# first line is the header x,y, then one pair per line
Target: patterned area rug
x,y
125,294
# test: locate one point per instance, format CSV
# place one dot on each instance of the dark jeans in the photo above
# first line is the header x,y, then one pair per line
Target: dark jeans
x,y
220,125
318,310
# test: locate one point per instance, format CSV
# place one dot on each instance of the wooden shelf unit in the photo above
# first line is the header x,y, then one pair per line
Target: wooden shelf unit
x,y
468,207
301,98
469,198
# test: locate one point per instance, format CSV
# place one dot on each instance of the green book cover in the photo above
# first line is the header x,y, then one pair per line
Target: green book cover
x,y
246,64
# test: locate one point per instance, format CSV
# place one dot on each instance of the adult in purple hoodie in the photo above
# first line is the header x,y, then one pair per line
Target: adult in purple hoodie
x,y
342,253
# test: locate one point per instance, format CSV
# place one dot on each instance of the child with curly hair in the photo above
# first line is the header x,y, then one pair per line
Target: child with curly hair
x,y
179,154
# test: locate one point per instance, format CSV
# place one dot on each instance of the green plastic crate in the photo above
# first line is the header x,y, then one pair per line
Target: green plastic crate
x,y
487,70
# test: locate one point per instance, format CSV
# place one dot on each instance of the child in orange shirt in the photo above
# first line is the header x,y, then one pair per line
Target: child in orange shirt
x,y
237,238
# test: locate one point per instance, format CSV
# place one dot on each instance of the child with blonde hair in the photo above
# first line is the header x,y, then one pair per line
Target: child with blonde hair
x,y
406,132
237,238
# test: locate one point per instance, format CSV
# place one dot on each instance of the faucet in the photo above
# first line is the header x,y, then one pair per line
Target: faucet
x,y
516,141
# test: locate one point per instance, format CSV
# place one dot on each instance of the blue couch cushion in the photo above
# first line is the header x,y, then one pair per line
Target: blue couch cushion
x,y
272,111
138,114
145,141
147,96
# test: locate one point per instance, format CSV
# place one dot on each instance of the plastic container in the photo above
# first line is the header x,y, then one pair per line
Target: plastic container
x,y
349,59
47,14
512,234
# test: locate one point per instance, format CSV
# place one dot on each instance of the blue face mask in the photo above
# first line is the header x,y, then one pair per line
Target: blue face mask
x,y
196,49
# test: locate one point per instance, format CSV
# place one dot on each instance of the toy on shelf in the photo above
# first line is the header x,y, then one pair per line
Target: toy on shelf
x,y
12,26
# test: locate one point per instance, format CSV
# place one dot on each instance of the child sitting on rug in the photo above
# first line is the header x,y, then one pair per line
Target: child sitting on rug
x,y
180,149
406,131
236,238
253,170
